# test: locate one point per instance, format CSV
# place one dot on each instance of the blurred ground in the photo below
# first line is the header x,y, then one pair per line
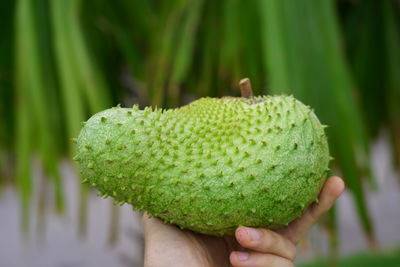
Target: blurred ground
x,y
61,247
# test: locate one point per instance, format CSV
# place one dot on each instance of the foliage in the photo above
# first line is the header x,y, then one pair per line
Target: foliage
x,y
387,259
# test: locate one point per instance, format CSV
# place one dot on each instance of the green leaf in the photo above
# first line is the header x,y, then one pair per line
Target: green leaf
x,y
392,38
303,57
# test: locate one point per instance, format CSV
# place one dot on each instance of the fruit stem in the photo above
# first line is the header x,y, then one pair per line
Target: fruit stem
x,y
245,88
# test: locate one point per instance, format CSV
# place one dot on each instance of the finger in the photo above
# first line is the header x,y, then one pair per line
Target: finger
x,y
256,259
265,241
332,189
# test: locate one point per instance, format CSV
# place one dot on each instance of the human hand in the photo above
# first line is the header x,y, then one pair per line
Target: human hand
x,y
167,245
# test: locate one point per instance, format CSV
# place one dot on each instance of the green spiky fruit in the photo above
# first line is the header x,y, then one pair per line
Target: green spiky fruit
x,y
212,165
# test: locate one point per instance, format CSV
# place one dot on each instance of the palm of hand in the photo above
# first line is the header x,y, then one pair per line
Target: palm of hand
x,y
167,245
185,248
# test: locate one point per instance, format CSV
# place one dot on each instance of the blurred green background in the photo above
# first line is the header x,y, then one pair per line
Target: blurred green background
x,y
63,60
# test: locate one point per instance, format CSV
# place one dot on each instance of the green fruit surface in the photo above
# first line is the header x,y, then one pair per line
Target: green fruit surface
x,y
212,165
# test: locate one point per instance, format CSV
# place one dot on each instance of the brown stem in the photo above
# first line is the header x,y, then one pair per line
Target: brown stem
x,y
245,88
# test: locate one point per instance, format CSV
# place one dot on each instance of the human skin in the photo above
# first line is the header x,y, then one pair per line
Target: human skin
x,y
167,245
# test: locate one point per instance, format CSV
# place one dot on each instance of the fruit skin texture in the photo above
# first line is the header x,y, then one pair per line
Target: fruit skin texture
x,y
212,165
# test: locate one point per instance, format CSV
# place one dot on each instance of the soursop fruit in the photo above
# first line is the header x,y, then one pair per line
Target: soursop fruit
x,y
211,165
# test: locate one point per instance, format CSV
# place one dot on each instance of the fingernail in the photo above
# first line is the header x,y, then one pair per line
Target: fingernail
x,y
254,234
243,256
